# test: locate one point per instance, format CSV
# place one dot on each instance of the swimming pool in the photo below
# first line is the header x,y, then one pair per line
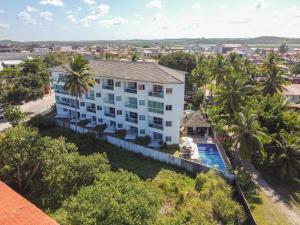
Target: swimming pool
x,y
210,156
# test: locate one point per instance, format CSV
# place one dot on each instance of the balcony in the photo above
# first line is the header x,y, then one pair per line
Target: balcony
x,y
108,87
156,110
131,105
67,104
61,92
91,97
109,100
91,109
132,120
111,115
156,94
130,90
156,126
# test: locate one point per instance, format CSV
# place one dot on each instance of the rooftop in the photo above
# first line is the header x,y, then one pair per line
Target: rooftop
x,y
292,90
16,210
134,71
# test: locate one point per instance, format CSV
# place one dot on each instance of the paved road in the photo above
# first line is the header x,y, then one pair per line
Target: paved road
x,y
33,108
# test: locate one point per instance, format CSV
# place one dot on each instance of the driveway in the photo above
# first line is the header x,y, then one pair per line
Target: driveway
x,y
33,108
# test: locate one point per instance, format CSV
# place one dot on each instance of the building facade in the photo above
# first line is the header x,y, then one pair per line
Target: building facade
x,y
143,98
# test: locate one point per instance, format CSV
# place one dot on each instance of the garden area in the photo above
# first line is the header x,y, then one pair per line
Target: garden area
x,y
78,179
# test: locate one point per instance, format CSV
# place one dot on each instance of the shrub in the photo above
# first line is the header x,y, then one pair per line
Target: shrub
x,y
100,128
42,122
121,133
83,123
143,140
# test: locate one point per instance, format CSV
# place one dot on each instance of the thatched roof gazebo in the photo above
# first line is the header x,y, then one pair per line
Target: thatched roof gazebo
x,y
197,124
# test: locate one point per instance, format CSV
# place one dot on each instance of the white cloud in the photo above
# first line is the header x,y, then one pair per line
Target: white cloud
x,y
4,25
31,9
46,15
52,2
86,21
26,18
157,17
102,10
1,11
154,4
196,5
111,22
90,2
71,18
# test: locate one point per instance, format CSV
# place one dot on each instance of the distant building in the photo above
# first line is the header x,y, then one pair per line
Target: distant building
x,y
292,93
41,50
16,210
66,48
9,63
227,48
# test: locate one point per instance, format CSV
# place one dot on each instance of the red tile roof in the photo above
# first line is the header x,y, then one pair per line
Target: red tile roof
x,y
16,210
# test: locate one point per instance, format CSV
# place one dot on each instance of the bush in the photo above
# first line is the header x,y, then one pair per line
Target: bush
x,y
83,123
143,140
121,133
100,128
42,122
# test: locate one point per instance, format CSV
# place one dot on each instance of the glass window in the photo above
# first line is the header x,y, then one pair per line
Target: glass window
x,y
141,102
83,116
82,104
169,107
118,98
168,123
118,84
168,138
119,112
97,81
142,132
100,120
169,90
120,125
99,107
98,94
142,87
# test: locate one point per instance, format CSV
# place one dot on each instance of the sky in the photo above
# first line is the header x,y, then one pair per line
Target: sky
x,y
34,20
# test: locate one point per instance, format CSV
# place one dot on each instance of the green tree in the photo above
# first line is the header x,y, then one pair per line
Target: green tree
x,y
283,48
198,98
218,69
14,115
248,136
273,81
19,156
233,93
135,57
116,198
296,69
80,79
54,59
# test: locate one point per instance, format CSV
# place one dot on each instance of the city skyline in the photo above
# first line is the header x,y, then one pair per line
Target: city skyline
x,y
157,19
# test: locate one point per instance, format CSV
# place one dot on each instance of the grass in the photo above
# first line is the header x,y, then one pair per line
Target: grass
x,y
264,211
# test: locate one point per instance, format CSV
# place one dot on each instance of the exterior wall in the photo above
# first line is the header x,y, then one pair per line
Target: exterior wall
x,y
176,99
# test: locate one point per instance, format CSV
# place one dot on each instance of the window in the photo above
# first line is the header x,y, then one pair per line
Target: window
x,y
82,104
169,90
65,110
99,107
141,102
119,112
83,116
120,125
98,94
141,117
100,120
97,81
168,123
169,107
142,87
118,84
118,98
168,138
142,132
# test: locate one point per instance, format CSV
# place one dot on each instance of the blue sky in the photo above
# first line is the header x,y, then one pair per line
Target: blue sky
x,y
26,20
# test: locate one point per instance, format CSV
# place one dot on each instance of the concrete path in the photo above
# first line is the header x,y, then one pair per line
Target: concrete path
x,y
292,214
33,108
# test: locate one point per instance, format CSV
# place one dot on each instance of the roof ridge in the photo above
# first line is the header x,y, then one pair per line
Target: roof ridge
x,y
159,67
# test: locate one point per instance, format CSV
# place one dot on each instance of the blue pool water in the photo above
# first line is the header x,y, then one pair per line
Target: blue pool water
x,y
209,155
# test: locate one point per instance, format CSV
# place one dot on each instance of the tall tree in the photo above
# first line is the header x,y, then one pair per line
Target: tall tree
x,y
283,48
14,115
218,69
248,136
80,79
273,81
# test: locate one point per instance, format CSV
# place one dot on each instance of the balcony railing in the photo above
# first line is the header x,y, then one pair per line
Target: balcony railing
x,y
156,110
130,90
132,120
156,94
91,97
67,104
131,105
156,126
108,87
112,115
92,110
109,100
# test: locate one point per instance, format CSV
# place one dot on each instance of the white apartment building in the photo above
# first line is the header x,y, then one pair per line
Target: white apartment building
x,y
143,98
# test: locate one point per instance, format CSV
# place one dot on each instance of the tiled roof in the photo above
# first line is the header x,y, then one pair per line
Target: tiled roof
x,y
134,71
16,210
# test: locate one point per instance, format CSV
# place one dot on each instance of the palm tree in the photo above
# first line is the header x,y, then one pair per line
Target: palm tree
x,y
288,160
247,135
218,69
80,79
274,81
233,93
